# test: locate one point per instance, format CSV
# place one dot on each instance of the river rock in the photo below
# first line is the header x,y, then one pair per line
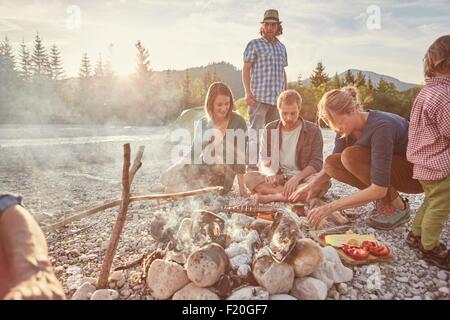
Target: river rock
x,y
165,278
306,257
282,297
84,292
192,292
105,294
275,277
249,293
309,288
332,270
205,266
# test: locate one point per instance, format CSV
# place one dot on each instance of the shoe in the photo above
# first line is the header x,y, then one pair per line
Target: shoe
x,y
387,217
412,240
439,256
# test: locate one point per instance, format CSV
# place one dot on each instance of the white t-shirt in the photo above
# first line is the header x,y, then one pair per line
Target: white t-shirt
x,y
287,151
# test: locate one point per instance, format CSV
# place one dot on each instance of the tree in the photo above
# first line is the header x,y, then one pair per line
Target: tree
x,y
299,80
57,71
85,68
370,85
39,58
336,82
348,78
215,77
8,61
143,71
207,79
186,95
99,71
319,76
360,79
25,67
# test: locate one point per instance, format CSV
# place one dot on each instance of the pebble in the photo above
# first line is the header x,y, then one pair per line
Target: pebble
x,y
388,296
402,279
444,291
442,275
342,288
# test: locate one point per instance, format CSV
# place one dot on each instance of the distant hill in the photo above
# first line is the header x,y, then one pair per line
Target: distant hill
x,y
225,71
401,86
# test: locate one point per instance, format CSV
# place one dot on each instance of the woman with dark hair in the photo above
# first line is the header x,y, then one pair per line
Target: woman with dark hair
x,y
217,152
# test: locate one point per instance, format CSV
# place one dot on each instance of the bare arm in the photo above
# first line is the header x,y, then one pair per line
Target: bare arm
x,y
24,258
242,188
246,82
285,81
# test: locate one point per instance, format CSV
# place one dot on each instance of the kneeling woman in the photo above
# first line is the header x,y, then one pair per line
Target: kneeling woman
x,y
369,154
219,170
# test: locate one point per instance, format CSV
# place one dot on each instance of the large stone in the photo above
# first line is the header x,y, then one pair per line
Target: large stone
x,y
309,289
249,293
165,278
275,277
84,292
205,266
306,257
282,297
332,270
105,294
117,276
192,292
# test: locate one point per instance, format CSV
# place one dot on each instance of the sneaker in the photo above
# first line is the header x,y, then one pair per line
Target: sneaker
x,y
412,240
439,256
387,217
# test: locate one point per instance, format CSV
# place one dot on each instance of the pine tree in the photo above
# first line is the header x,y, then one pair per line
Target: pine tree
x,y
299,80
7,59
185,86
99,71
143,64
370,85
56,69
319,76
107,69
336,82
215,77
85,69
39,58
360,79
25,67
207,80
382,86
349,79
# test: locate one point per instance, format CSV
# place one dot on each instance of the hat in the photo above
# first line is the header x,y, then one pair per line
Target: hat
x,y
271,15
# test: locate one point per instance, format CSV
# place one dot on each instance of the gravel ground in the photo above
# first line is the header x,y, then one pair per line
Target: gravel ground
x,y
56,181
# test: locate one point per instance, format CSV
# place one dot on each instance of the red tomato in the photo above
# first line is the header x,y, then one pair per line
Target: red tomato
x,y
381,251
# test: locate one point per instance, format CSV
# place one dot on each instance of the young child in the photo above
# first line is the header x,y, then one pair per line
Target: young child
x,y
429,151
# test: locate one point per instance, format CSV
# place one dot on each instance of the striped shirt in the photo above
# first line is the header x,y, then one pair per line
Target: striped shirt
x,y
267,72
429,132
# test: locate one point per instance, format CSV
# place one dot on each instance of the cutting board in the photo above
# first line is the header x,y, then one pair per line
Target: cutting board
x,y
350,261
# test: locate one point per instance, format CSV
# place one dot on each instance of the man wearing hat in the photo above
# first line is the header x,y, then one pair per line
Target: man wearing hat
x,y
264,78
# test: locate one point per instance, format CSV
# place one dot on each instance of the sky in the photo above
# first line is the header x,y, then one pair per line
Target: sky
x,y
388,37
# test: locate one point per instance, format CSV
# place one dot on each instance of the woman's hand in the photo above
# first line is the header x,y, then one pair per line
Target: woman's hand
x,y
305,192
290,185
316,215
243,192
273,180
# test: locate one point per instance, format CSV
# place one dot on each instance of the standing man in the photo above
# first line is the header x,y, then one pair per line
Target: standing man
x,y
264,78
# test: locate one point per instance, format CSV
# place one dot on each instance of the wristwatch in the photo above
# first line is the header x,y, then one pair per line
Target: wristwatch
x,y
9,200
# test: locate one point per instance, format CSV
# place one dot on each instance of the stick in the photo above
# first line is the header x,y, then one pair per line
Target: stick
x,y
107,262
88,212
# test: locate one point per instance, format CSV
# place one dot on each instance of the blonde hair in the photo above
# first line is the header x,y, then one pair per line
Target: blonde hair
x,y
337,101
215,89
289,97
437,58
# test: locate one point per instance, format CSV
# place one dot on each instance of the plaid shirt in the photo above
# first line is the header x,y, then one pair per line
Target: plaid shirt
x,y
267,72
429,131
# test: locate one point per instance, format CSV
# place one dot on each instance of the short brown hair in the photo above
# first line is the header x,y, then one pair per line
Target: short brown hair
x,y
289,97
437,58
215,89
279,31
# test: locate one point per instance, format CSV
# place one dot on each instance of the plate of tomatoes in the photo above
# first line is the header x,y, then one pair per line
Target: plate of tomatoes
x,y
367,250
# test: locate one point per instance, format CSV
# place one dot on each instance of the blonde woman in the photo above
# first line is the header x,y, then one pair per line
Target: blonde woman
x,y
369,154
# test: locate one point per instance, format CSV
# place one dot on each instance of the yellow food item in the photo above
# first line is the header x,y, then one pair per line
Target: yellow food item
x,y
336,240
